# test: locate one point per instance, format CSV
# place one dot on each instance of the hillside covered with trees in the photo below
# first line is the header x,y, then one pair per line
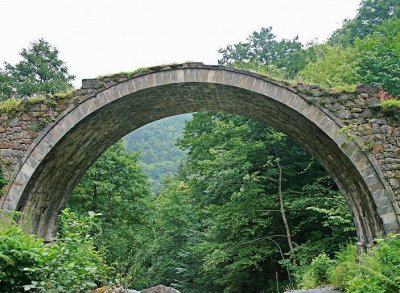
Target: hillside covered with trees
x,y
156,143
243,208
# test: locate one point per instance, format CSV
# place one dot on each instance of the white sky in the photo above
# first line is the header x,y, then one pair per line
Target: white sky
x,y
98,37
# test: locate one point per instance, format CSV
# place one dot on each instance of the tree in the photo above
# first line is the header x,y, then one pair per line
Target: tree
x,y
39,72
159,155
263,48
372,60
334,66
378,56
6,88
115,187
371,14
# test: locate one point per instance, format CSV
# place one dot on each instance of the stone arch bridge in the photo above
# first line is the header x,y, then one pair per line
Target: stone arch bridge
x,y
47,144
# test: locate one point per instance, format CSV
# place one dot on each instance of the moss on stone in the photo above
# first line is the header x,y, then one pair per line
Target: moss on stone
x,y
16,105
20,104
130,73
390,105
64,95
10,105
141,70
389,108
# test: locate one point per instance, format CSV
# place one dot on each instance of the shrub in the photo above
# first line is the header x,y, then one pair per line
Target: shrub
x,y
345,266
19,252
72,264
317,273
375,272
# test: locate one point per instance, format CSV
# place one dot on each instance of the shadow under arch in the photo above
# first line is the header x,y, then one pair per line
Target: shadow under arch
x,y
57,159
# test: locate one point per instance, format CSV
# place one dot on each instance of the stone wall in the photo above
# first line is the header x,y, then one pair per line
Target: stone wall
x,y
21,123
377,132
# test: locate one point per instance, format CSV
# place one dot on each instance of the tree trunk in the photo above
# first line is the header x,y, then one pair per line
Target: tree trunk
x,y
95,196
283,212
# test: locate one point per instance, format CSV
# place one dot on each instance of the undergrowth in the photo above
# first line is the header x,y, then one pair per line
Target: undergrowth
x,y
374,272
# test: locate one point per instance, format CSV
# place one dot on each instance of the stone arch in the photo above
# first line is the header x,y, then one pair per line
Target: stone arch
x,y
45,177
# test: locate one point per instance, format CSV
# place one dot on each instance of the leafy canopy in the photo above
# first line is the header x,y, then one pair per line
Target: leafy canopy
x,y
39,72
263,48
371,14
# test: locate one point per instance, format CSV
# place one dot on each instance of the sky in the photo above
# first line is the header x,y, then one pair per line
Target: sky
x,y
97,37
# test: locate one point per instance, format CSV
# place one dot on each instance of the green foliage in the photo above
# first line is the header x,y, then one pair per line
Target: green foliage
x,y
19,252
6,88
40,71
115,187
378,270
334,66
159,155
371,60
390,107
72,264
263,48
317,272
217,224
270,70
370,15
10,105
378,56
372,272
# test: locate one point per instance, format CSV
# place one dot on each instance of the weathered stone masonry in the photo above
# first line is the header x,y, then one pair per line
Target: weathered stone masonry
x,y
46,146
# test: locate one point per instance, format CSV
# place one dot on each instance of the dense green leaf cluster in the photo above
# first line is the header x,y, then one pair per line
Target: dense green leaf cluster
x,y
72,264
18,251
116,188
365,50
371,14
39,72
375,272
263,48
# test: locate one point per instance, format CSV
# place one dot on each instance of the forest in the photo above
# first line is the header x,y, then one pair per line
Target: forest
x,y
213,202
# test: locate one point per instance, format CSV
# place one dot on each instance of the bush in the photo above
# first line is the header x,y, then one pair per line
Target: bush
x,y
19,252
345,266
390,107
70,265
375,272
317,273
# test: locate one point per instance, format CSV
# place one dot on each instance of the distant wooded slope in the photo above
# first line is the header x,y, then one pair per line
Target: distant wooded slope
x,y
156,144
